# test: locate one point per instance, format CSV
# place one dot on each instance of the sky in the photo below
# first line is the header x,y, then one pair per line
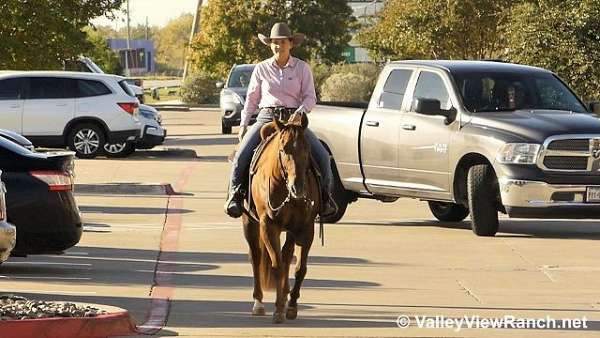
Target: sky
x,y
159,12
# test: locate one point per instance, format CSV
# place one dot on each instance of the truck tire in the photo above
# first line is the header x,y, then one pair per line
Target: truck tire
x,y
225,129
482,189
86,140
448,212
340,196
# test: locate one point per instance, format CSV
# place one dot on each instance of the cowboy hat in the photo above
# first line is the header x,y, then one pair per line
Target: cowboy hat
x,y
281,30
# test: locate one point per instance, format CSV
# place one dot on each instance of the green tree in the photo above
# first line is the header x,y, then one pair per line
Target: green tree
x,y
172,43
434,29
40,34
560,35
228,32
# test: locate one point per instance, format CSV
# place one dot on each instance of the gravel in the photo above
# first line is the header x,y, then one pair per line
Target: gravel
x,y
18,308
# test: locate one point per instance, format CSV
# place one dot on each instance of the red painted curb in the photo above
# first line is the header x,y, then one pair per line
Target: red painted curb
x,y
113,324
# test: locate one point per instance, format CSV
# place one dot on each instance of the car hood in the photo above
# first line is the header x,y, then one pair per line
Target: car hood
x,y
537,125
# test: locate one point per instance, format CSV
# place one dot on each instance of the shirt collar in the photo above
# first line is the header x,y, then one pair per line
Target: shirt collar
x,y
292,62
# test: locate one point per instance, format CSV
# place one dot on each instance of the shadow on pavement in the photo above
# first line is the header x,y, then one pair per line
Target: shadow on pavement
x,y
201,141
131,210
511,228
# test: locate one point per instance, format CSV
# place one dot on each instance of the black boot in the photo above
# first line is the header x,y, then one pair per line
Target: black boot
x,y
330,206
233,205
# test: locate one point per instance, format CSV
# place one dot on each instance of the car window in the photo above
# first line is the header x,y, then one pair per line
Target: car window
x,y
88,88
394,89
125,86
240,78
10,89
431,86
48,88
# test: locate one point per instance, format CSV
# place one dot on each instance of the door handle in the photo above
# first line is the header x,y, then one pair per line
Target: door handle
x,y
373,123
15,106
409,127
61,105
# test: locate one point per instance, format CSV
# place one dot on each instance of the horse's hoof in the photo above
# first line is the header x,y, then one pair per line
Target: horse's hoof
x,y
259,311
291,313
278,318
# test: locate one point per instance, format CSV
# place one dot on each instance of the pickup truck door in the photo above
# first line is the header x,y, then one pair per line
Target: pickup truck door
x,y
424,155
380,131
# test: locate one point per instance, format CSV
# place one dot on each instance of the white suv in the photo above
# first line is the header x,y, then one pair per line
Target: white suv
x,y
80,110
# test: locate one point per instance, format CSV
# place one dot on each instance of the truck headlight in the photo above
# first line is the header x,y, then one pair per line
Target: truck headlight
x,y
518,153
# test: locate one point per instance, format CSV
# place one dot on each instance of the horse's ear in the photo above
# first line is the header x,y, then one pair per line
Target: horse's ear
x,y
278,125
304,121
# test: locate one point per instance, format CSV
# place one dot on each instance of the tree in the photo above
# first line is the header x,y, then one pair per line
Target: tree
x,y
560,35
102,55
434,29
228,32
172,42
40,34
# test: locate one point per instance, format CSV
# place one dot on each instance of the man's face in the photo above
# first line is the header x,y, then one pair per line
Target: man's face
x,y
281,46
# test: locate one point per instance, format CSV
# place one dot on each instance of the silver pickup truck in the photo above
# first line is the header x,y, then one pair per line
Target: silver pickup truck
x,y
477,137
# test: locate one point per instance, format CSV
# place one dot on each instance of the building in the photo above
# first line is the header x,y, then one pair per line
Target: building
x,y
141,55
363,9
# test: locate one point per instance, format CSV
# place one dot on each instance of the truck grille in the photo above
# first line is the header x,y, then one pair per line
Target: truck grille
x,y
566,162
569,153
570,145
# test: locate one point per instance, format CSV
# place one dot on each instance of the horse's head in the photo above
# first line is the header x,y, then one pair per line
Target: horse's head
x,y
294,153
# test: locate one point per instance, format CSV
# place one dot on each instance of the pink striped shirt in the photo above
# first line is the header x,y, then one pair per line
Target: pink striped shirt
x,y
271,86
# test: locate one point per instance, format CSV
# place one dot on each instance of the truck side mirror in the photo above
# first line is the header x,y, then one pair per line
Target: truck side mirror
x,y
433,107
219,84
595,107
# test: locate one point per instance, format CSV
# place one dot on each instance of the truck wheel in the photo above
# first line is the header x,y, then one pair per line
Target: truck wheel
x,y
119,150
86,140
225,129
448,212
482,188
340,196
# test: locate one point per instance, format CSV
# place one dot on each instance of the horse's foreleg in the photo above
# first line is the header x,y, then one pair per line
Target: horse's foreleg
x,y
251,232
301,266
287,255
270,237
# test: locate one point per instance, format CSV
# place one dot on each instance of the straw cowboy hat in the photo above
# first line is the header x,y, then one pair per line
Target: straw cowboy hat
x,y
281,30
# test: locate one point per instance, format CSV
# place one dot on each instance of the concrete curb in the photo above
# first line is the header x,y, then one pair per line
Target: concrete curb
x,y
113,324
164,189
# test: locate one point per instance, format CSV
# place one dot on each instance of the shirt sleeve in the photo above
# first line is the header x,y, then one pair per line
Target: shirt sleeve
x,y
253,96
309,96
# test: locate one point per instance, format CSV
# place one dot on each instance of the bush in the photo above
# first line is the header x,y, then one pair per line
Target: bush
x,y
350,82
349,87
199,89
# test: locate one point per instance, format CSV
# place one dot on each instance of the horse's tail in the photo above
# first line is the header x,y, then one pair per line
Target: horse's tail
x,y
266,272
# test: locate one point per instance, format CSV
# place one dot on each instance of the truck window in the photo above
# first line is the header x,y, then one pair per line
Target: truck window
x,y
431,86
394,89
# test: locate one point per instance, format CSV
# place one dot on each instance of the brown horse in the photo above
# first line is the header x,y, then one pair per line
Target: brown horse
x,y
287,199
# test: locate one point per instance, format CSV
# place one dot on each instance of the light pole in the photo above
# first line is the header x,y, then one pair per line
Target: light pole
x,y
127,73
195,29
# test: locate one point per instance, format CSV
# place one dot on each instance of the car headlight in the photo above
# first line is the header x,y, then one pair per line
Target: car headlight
x,y
518,153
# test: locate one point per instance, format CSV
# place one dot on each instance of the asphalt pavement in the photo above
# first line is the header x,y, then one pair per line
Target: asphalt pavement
x,y
180,265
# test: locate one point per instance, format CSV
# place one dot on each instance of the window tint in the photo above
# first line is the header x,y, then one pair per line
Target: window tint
x,y
48,88
10,89
88,88
126,88
240,78
431,86
394,89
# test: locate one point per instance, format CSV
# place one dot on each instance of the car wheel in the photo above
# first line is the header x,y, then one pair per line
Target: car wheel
x,y
448,212
86,140
225,129
340,196
482,189
118,150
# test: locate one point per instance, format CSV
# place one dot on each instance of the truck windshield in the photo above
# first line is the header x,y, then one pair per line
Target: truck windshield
x,y
505,91
240,78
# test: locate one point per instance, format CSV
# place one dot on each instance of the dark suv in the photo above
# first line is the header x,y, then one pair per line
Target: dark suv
x,y
233,96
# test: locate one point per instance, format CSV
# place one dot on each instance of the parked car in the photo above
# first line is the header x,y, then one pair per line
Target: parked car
x,y
152,134
39,198
468,137
80,110
17,138
8,233
86,65
233,96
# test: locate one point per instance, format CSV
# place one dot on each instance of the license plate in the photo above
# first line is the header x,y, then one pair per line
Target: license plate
x,y
593,195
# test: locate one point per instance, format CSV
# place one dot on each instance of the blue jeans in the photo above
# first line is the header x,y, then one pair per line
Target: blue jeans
x,y
251,140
